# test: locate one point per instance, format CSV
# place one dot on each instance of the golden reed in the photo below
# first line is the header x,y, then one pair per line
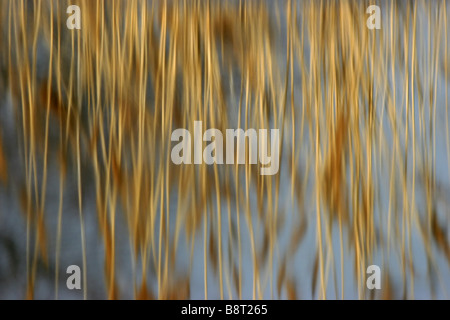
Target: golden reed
x,y
363,119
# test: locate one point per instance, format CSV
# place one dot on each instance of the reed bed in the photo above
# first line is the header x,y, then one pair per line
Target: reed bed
x,y
362,114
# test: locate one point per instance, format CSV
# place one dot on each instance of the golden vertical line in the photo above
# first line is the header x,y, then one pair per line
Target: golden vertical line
x,y
413,126
31,82
78,153
62,164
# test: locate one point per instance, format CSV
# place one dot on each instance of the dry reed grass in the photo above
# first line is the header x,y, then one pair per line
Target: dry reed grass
x,y
356,108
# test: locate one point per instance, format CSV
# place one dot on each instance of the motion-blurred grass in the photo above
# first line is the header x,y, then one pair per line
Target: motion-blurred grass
x,y
361,114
